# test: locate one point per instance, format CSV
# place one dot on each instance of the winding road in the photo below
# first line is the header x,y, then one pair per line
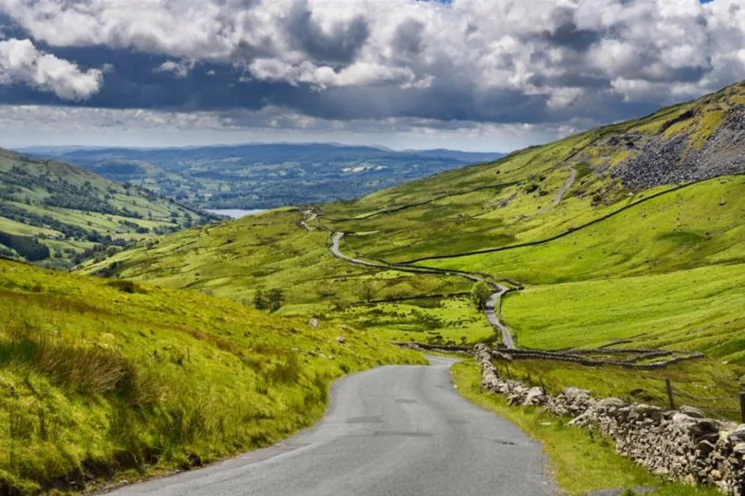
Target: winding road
x,y
492,311
390,431
493,306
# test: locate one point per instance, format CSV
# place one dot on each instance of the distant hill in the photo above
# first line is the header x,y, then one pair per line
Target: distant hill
x,y
58,214
263,175
465,157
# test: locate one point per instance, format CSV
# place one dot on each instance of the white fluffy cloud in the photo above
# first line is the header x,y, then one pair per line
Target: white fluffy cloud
x,y
178,69
20,61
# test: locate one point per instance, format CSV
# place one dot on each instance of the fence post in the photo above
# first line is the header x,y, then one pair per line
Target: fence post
x,y
742,406
669,387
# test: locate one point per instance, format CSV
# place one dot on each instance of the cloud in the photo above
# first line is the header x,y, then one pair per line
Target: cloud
x,y
21,62
20,125
178,69
498,61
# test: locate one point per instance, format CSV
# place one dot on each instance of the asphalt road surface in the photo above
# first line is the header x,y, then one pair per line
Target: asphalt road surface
x,y
390,431
492,307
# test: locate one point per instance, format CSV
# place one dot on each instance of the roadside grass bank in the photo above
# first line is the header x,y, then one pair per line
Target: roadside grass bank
x,y
110,380
580,461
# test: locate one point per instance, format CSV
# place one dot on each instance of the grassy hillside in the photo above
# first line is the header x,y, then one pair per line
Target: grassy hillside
x,y
628,233
273,251
110,378
56,214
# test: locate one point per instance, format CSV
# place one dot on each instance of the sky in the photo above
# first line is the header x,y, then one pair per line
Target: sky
x,y
483,75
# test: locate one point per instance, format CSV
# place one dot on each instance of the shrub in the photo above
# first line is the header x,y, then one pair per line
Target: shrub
x,y
128,287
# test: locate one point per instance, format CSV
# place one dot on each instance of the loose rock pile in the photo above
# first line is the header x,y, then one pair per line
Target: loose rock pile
x,y
658,160
682,445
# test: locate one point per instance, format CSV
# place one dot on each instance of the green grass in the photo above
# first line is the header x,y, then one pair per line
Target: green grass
x,y
667,274
580,462
103,379
428,320
234,259
683,310
692,227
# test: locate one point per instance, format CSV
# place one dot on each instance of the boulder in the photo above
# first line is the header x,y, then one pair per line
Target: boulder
x,y
691,411
535,397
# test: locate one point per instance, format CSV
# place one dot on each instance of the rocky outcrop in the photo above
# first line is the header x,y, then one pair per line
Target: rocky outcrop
x,y
659,160
681,444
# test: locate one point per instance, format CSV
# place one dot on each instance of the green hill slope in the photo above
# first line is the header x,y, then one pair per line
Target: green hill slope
x,y
631,232
57,214
101,379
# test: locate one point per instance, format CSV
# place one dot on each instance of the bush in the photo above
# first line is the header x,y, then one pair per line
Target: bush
x,y
128,287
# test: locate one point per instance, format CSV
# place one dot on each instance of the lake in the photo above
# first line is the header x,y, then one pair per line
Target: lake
x,y
235,213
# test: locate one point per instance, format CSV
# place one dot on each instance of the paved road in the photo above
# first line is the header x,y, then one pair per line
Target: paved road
x,y
492,307
391,431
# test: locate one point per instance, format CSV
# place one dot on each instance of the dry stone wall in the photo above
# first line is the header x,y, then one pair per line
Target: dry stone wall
x,y
680,444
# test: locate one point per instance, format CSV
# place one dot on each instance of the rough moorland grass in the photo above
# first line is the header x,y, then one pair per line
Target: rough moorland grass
x,y
580,462
104,379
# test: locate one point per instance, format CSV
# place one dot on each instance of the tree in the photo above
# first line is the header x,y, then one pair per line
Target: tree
x,y
260,302
367,292
480,294
276,298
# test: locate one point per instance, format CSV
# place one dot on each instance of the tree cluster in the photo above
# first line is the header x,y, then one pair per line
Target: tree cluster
x,y
272,301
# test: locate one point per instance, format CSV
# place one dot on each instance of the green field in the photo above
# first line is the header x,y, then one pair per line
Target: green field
x,y
605,244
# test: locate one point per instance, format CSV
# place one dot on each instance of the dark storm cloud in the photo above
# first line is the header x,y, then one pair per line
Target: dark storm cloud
x,y
340,44
408,39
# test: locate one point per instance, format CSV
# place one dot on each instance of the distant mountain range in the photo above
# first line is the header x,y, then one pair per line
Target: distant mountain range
x,y
262,175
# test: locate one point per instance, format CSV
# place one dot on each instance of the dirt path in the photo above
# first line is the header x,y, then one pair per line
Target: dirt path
x,y
309,216
565,187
